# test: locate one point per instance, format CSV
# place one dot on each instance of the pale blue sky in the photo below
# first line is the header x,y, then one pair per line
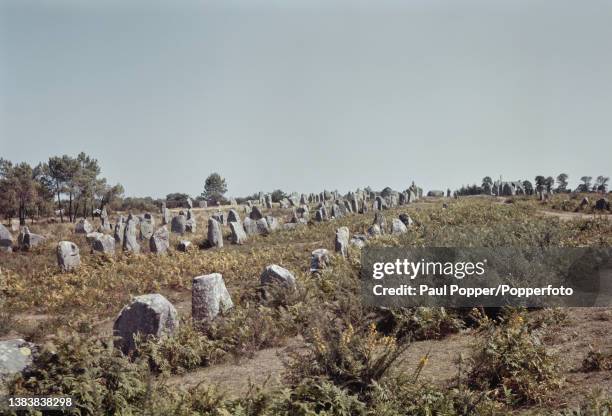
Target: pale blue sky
x,y
302,95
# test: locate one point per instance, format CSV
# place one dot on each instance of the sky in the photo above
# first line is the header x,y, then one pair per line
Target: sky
x,y
309,95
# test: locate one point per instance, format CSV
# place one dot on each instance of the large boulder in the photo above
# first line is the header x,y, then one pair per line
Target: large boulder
x,y
405,218
83,227
6,239
15,356
160,241
277,275
215,236
381,221
68,257
256,227
209,297
341,241
255,214
374,230
238,234
272,222
146,315
319,260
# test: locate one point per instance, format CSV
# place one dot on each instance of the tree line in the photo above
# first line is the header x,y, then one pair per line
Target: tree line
x,y
543,184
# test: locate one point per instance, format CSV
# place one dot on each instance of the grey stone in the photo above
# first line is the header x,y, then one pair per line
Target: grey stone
x,y
150,314
191,225
68,257
209,297
6,239
275,274
341,241
83,227
398,227
435,193
102,243
147,225
159,242
28,240
405,218
272,222
380,219
119,231
219,216
15,356
268,201
166,215
238,234
105,226
233,216
255,214
252,227
179,224
215,237
319,259
130,241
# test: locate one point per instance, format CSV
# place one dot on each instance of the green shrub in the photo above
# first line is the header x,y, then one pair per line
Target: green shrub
x,y
513,363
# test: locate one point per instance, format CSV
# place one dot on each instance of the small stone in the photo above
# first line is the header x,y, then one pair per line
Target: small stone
x,y
275,274
184,245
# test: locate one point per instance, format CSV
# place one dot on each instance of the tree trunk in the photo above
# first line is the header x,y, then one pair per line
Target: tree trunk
x,y
59,205
70,208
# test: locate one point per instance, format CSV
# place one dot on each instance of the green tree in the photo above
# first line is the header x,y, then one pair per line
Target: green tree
x,y
540,182
214,188
176,200
562,182
528,187
549,183
21,194
277,195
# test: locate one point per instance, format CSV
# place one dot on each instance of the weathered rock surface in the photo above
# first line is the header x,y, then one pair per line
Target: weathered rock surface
x,y
184,245
160,241
6,239
341,241
277,275
238,234
103,243
83,227
150,314
398,227
68,257
179,224
209,297
215,236
15,356
319,259
130,241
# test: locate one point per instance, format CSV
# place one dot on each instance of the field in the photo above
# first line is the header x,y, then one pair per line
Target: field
x,y
318,350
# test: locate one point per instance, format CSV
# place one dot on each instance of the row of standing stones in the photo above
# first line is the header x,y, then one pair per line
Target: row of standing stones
x,y
153,315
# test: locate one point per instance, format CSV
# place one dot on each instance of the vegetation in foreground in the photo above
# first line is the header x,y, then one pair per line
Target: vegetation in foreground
x,y
345,365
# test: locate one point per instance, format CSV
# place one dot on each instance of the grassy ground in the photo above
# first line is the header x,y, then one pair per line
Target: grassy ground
x,y
260,341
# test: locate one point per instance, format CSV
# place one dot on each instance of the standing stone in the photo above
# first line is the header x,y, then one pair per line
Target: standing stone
x,y
584,202
209,297
272,222
189,203
191,224
233,216
255,214
303,200
103,243
6,240
380,219
238,234
179,225
275,274
219,217
146,315
268,201
303,213
160,241
319,260
130,242
27,240
68,257
83,227
184,246
119,230
342,241
106,226
147,225
398,227
215,237
405,218
15,356
166,216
